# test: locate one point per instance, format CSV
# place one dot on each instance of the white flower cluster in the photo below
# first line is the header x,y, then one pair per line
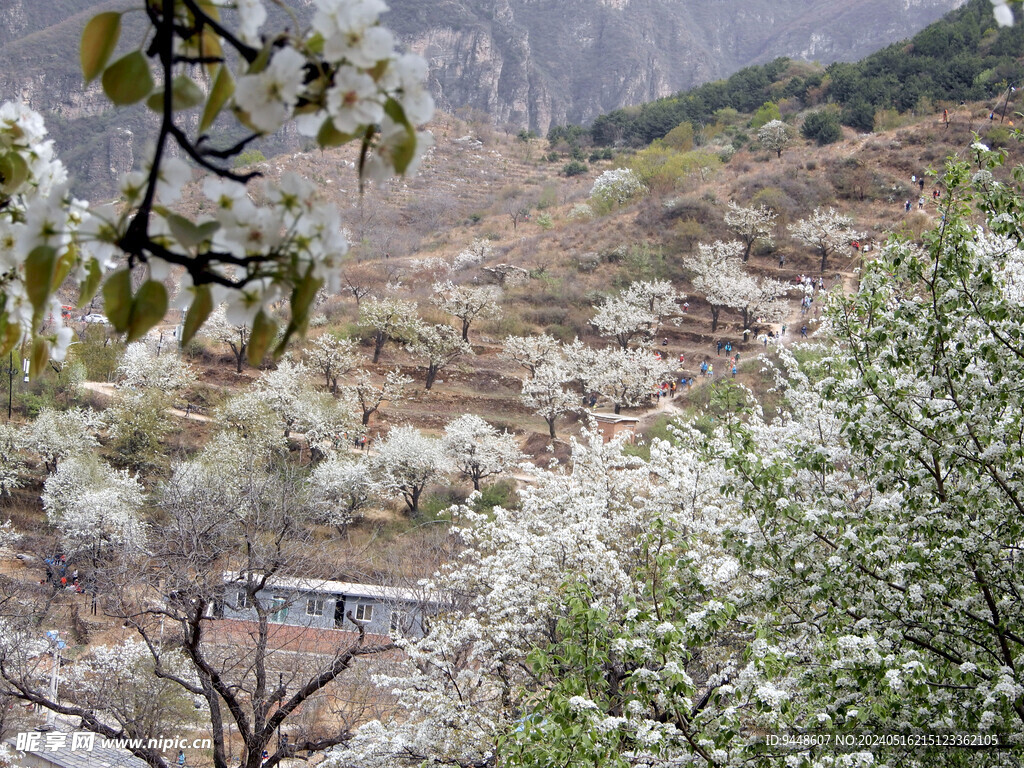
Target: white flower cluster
x,y
368,81
341,80
295,227
1002,12
37,222
617,186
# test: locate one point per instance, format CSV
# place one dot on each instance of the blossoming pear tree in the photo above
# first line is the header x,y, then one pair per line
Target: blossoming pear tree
x,y
477,450
467,302
339,79
750,225
827,231
438,345
638,311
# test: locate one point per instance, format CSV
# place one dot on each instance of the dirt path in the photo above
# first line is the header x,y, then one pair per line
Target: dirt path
x,y
109,390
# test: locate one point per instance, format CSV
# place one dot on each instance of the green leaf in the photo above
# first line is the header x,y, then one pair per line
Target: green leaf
x,y
210,8
10,334
91,284
148,309
198,311
184,231
13,172
117,298
185,93
99,39
128,80
404,151
188,233
329,136
302,299
263,331
63,266
221,92
39,268
40,354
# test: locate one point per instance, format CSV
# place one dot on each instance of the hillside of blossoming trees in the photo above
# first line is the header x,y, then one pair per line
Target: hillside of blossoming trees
x,y
433,446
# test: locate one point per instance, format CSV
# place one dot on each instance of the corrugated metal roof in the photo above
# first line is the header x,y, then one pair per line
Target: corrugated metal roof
x,y
347,588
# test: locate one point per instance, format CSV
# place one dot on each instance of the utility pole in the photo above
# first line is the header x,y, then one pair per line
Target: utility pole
x,y
10,384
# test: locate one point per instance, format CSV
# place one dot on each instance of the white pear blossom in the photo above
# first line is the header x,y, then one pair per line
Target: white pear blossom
x,y
268,97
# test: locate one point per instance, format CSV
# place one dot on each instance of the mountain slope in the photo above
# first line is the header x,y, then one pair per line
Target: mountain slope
x,y
525,63
535,63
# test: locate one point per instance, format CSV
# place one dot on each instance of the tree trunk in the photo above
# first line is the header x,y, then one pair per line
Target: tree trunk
x,y
465,329
746,253
432,375
378,345
239,356
714,317
551,426
824,259
366,415
618,407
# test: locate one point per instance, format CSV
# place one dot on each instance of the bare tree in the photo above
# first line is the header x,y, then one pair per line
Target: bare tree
x,y
517,207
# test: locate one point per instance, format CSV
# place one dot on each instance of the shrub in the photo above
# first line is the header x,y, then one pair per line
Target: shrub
x,y
822,127
544,221
574,168
581,211
98,351
498,494
249,157
887,120
688,233
998,136
765,114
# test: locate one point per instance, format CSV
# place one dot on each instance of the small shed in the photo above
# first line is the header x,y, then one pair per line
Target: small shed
x,y
611,425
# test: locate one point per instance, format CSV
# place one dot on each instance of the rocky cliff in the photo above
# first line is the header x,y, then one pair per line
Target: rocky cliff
x,y
534,63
